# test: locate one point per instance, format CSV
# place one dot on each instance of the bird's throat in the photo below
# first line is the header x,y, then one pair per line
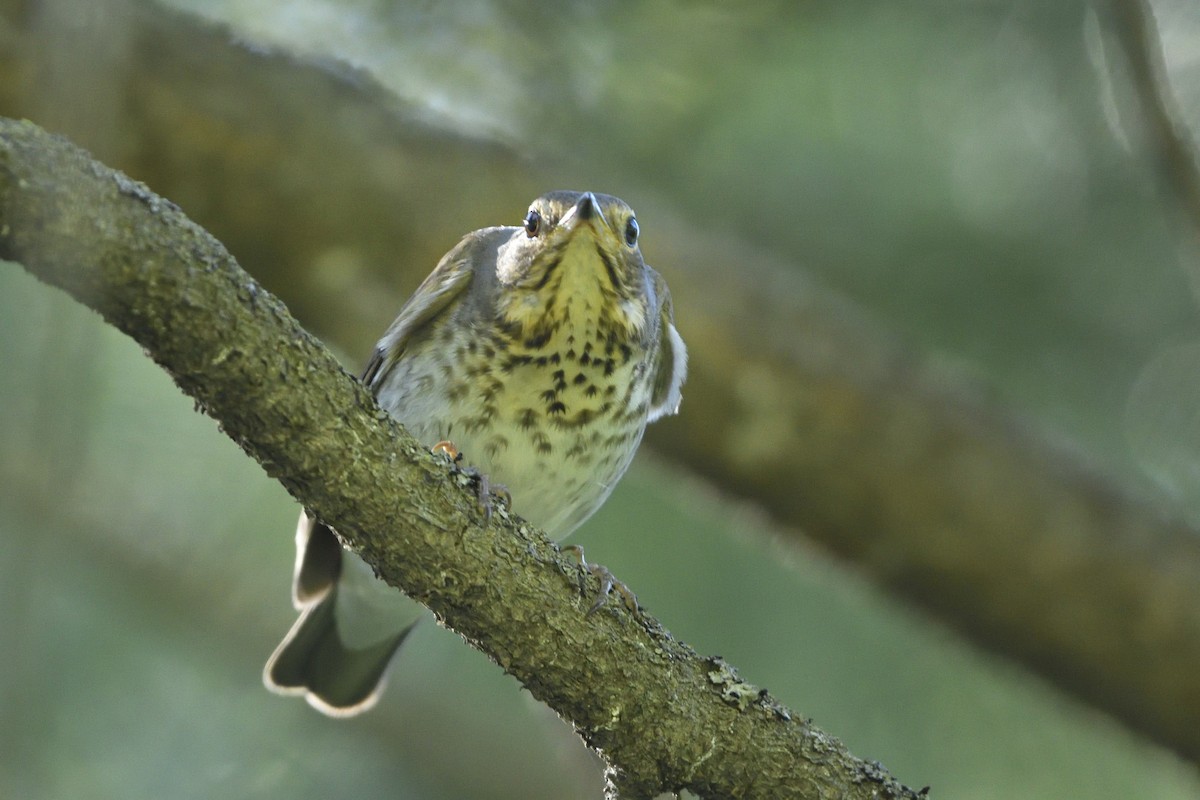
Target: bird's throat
x,y
579,293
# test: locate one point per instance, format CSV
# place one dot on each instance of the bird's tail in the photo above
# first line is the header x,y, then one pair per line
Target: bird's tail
x,y
337,653
313,661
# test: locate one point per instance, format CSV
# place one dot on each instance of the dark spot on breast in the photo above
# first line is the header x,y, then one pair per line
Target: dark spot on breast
x,y
495,446
515,361
616,439
509,329
579,379
557,407
526,418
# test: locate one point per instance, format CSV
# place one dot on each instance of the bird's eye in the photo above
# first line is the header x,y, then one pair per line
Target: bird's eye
x,y
631,232
533,223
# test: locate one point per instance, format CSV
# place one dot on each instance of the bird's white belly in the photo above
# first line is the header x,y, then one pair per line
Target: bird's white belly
x,y
557,475
550,491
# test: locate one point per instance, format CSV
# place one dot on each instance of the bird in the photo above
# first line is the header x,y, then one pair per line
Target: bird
x,y
538,353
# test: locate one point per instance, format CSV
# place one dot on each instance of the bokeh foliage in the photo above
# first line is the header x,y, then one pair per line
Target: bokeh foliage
x,y
953,167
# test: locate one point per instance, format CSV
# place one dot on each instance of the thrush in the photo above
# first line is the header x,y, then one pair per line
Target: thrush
x,y
541,351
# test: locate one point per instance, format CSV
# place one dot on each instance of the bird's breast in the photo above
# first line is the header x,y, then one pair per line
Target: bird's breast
x,y
556,418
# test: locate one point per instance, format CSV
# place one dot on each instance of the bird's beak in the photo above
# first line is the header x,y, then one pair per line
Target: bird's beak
x,y
587,210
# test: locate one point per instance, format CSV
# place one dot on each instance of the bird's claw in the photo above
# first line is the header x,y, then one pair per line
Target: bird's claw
x,y
484,488
608,583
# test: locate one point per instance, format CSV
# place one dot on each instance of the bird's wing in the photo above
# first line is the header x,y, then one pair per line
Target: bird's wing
x,y
670,367
448,280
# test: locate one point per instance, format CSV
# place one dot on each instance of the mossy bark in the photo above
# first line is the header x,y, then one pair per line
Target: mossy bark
x,y
663,717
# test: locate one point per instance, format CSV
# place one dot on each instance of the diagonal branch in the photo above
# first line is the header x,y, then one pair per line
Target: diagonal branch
x,y
841,433
662,716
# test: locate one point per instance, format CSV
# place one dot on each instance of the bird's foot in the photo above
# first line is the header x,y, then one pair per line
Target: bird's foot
x,y
608,583
484,488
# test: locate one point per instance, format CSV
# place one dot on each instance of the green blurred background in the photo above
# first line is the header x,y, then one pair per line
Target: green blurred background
x,y
970,173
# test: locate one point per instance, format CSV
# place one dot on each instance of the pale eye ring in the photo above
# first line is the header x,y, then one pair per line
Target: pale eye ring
x,y
631,232
533,223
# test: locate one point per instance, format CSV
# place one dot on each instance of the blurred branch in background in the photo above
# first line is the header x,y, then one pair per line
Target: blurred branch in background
x,y
664,718
1133,27
339,197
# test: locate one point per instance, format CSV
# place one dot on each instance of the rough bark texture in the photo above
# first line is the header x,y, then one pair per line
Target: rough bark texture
x,y
664,718
794,400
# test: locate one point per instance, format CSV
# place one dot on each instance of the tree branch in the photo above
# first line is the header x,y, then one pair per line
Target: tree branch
x,y
1170,148
663,717
908,473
